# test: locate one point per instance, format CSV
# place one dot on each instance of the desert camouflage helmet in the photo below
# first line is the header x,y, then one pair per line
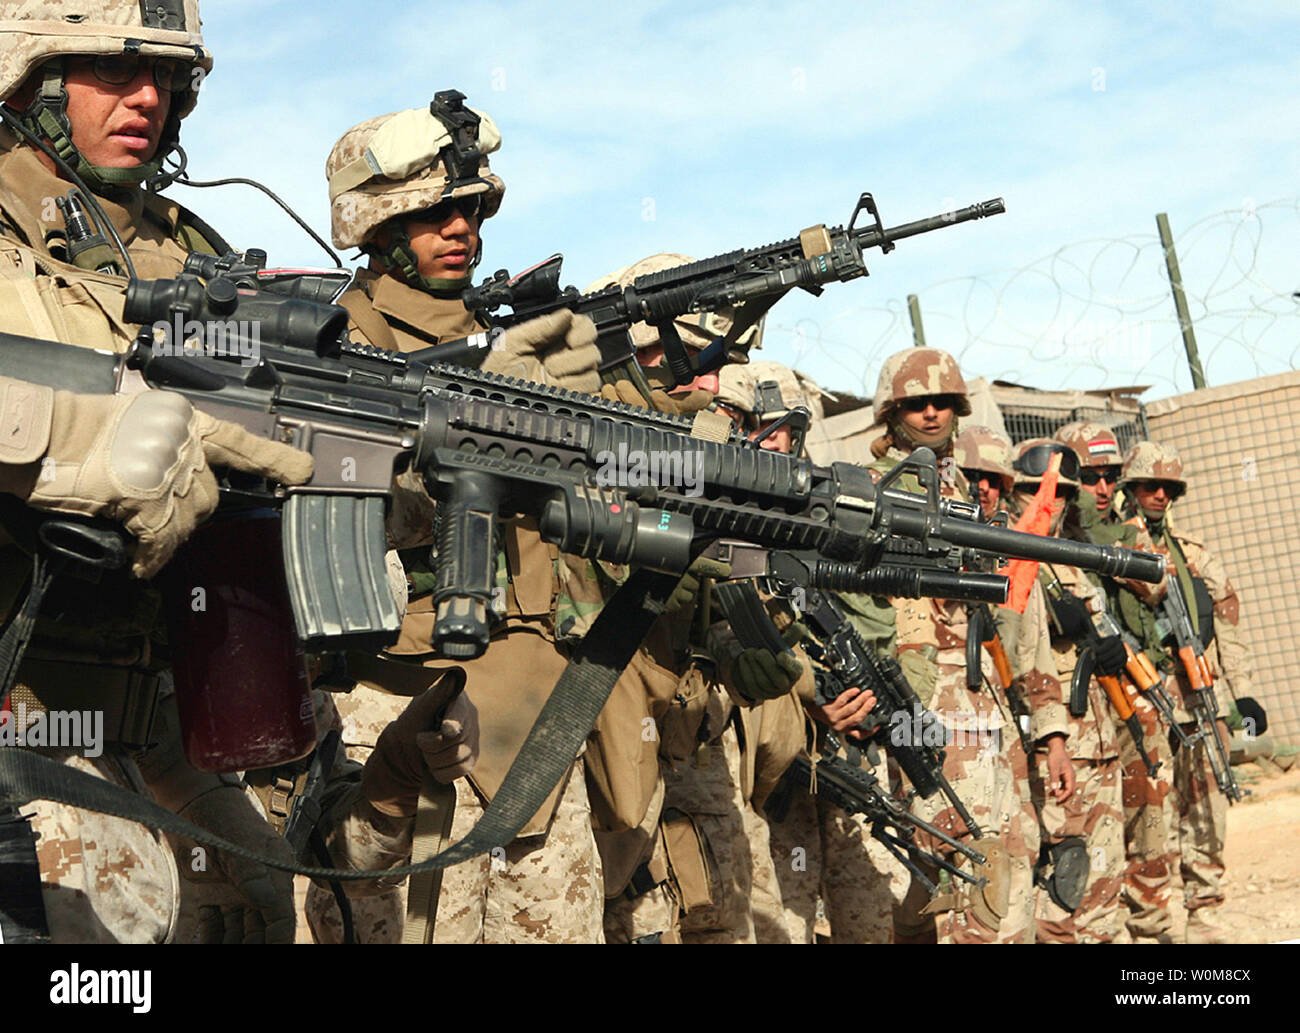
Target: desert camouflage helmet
x,y
982,448
1095,443
697,330
916,372
1148,460
1069,474
38,34
797,389
396,164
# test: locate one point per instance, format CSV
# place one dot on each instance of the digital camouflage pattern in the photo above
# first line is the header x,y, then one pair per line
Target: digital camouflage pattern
x,y
1148,460
820,850
1095,443
33,32
982,448
355,214
914,373
103,879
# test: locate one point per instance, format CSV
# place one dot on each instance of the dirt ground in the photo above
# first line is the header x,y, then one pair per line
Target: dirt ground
x,y
1263,880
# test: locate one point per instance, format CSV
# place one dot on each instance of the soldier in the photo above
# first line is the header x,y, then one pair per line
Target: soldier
x,y
1153,479
920,396
984,458
1146,825
817,849
1082,855
107,83
418,223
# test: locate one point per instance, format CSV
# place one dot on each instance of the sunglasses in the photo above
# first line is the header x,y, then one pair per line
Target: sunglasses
x,y
1108,474
1173,489
1035,461
169,74
468,207
975,476
920,404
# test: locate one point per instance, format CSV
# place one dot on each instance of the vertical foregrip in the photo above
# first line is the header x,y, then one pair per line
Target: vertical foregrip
x,y
465,563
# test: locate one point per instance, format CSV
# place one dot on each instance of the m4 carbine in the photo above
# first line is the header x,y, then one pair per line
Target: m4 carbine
x,y
487,447
757,277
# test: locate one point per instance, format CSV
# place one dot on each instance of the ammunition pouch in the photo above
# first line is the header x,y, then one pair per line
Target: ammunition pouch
x,y
1204,611
693,871
1063,870
989,903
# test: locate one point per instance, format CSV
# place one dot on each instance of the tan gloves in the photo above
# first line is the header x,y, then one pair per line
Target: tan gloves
x,y
661,401
416,743
557,349
142,460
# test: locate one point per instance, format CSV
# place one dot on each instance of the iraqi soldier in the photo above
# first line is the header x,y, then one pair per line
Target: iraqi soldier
x,y
919,399
1154,479
1146,823
1081,861
984,458
412,191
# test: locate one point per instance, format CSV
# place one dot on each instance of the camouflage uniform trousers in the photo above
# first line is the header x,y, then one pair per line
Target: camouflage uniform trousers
x,y
977,764
534,890
1149,861
708,788
1198,826
561,903
820,849
650,914
1093,812
103,879
766,898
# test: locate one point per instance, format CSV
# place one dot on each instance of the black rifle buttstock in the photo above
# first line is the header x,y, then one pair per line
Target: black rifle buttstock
x,y
334,548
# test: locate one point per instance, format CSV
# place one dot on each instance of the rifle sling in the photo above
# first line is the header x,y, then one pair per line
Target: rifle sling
x,y
545,756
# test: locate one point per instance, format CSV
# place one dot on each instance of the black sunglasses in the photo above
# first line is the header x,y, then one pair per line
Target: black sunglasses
x,y
975,476
1109,474
1035,461
1173,490
468,207
919,404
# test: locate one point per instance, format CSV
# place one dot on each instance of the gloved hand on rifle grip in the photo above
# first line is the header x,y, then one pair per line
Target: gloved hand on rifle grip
x,y
760,674
689,586
421,742
142,460
1111,655
1072,615
558,348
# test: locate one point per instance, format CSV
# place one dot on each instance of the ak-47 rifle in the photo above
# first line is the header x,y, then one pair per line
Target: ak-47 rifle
x,y
982,632
755,277
858,791
1201,700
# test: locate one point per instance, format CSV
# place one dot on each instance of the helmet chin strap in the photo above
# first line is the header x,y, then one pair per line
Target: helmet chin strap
x,y
401,256
47,116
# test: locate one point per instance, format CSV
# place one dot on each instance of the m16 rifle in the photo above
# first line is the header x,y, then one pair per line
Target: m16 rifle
x,y
755,277
856,790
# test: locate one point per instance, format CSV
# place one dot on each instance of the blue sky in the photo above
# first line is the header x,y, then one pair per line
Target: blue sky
x,y
664,126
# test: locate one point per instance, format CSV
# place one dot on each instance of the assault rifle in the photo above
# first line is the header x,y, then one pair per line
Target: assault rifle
x,y
756,277
982,633
486,447
850,662
858,791
1201,700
